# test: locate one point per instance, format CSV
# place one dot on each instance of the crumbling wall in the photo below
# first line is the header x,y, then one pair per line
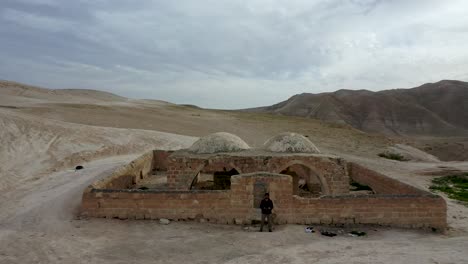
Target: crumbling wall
x,y
160,159
129,174
237,205
380,183
330,169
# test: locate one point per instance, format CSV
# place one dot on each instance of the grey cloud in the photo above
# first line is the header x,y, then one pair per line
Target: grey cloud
x,y
232,54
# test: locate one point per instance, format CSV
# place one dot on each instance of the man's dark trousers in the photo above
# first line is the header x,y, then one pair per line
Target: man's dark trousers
x,y
268,218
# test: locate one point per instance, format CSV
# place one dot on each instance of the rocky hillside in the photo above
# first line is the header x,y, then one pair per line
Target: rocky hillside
x,y
436,109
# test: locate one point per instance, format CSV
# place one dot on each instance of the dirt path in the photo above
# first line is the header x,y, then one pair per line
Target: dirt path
x,y
38,225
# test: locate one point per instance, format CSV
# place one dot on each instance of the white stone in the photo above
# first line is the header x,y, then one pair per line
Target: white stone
x,y
164,221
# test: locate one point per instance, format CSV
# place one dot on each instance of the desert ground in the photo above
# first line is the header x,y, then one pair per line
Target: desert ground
x,y
44,134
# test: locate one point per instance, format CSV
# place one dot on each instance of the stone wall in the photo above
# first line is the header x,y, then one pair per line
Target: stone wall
x,y
231,206
412,211
331,170
129,174
379,183
161,159
157,204
237,205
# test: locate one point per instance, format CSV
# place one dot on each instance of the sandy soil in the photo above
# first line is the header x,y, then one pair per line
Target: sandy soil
x,y
42,138
34,146
41,227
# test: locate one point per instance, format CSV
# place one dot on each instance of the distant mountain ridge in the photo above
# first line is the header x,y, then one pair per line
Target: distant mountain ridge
x,y
434,109
10,88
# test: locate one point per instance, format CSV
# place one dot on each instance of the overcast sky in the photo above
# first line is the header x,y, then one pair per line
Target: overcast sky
x,y
232,54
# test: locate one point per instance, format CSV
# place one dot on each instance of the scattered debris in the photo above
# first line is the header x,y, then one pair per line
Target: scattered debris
x,y
164,221
327,233
357,233
79,167
309,229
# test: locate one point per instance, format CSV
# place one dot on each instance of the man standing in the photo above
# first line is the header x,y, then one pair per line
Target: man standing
x,y
266,205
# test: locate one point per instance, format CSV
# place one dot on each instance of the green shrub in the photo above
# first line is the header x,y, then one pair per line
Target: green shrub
x,y
455,186
392,156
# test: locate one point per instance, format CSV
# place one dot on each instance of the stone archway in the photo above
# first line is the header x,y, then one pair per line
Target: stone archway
x,y
306,180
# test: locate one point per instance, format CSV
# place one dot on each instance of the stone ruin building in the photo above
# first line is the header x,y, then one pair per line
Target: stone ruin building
x,y
222,180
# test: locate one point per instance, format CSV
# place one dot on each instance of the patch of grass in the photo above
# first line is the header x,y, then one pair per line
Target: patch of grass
x,y
359,187
392,156
455,186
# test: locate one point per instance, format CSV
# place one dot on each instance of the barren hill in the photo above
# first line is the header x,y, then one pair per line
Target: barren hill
x,y
45,133
436,109
28,93
59,128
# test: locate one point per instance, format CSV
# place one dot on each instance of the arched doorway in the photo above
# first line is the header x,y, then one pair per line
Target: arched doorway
x,y
306,182
207,179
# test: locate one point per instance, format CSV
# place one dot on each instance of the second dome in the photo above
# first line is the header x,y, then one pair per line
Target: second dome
x,y
290,142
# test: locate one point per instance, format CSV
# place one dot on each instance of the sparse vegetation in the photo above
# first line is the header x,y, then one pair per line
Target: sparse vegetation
x,y
455,186
392,156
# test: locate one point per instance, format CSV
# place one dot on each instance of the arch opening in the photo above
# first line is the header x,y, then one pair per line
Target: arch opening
x,y
207,179
306,183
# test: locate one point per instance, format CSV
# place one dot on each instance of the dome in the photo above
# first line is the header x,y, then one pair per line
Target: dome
x,y
290,142
218,142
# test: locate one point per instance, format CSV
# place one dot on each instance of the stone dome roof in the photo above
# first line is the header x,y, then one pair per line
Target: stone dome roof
x,y
290,142
218,142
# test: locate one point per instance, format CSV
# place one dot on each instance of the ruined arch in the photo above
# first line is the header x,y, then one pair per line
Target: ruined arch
x,y
314,182
214,176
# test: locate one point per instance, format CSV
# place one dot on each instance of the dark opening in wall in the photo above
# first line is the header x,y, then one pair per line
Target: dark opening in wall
x,y
305,182
217,180
260,188
358,188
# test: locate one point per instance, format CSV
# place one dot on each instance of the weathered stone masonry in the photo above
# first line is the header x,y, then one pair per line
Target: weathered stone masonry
x,y
393,204
331,170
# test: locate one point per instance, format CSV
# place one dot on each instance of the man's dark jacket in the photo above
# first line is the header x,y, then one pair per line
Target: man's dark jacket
x,y
266,206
